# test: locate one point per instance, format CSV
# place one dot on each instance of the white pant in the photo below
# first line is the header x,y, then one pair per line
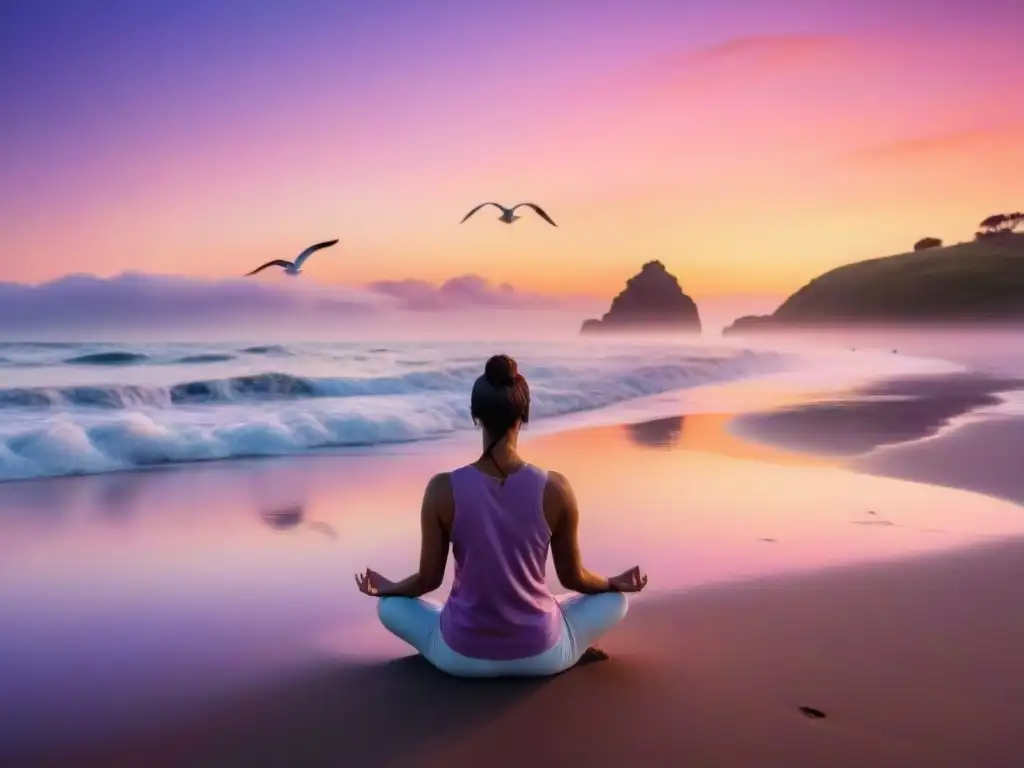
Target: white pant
x,y
584,619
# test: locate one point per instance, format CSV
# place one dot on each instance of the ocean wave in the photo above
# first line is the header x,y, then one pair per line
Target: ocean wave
x,y
268,349
87,429
588,386
121,397
212,357
37,354
108,358
39,344
23,354
134,440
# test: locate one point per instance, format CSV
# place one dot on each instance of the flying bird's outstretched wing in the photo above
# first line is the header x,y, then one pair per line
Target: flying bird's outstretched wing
x,y
496,205
274,263
540,212
311,250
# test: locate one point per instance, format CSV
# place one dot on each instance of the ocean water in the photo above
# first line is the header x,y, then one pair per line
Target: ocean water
x,y
74,408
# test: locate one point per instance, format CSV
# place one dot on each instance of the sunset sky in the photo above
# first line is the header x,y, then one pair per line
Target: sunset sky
x,y
748,144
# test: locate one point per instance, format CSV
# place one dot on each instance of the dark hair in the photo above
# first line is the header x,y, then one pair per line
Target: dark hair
x,y
500,398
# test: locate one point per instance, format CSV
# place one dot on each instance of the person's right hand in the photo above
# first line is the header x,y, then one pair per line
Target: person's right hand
x,y
629,581
373,584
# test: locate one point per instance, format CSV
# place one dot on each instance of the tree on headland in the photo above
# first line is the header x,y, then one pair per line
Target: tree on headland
x,y
998,223
927,242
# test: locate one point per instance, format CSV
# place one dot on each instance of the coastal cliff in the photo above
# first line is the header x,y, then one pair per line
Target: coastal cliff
x,y
973,283
651,301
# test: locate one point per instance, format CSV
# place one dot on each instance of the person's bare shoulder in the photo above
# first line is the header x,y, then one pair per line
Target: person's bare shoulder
x,y
558,486
559,499
438,498
441,483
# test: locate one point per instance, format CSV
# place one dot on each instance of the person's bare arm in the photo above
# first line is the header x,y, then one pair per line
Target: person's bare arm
x,y
563,513
436,514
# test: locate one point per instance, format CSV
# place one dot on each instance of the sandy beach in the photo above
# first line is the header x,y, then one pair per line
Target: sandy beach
x,y
912,664
750,275
157,619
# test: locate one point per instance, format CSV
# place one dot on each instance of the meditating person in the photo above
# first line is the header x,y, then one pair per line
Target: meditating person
x,y
501,515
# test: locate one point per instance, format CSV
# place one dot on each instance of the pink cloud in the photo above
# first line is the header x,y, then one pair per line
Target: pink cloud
x,y
135,301
768,107
772,50
462,292
738,67
743,106
983,141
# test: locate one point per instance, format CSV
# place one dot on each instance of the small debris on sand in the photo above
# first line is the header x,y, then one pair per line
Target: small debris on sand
x,y
811,712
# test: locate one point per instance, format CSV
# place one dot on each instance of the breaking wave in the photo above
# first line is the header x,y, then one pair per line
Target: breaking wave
x,y
86,428
108,358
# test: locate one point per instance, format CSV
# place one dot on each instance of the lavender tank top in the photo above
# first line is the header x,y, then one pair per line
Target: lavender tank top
x,y
500,607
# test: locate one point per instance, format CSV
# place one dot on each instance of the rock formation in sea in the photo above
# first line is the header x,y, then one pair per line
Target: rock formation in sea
x,y
651,301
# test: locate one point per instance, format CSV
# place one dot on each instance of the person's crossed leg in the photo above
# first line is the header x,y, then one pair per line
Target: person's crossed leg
x,y
588,617
585,619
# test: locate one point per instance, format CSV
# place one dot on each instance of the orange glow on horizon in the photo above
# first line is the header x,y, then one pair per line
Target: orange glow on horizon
x,y
747,167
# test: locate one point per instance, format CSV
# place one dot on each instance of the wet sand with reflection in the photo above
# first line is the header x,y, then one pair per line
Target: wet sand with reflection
x,y
198,616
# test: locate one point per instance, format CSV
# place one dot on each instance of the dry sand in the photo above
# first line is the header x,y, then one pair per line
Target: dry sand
x,y
913,663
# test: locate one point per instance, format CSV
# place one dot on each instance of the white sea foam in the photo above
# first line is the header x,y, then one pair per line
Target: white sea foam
x,y
180,403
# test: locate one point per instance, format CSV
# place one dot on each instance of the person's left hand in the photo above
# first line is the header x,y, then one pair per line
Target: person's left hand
x,y
629,581
372,583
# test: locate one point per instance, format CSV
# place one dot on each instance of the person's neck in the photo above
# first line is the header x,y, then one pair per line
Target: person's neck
x,y
506,452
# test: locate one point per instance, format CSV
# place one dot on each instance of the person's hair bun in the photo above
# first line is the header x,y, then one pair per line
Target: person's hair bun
x,y
501,371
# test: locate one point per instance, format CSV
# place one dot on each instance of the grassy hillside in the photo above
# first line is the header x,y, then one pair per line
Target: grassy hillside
x,y
976,282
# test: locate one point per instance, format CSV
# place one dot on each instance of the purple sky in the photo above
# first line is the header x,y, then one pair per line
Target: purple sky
x,y
202,137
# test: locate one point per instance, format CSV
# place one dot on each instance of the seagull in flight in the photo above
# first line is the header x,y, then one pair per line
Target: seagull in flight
x,y
293,268
508,215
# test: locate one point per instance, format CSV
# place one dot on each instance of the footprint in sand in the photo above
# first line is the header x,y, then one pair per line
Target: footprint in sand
x,y
876,522
811,712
